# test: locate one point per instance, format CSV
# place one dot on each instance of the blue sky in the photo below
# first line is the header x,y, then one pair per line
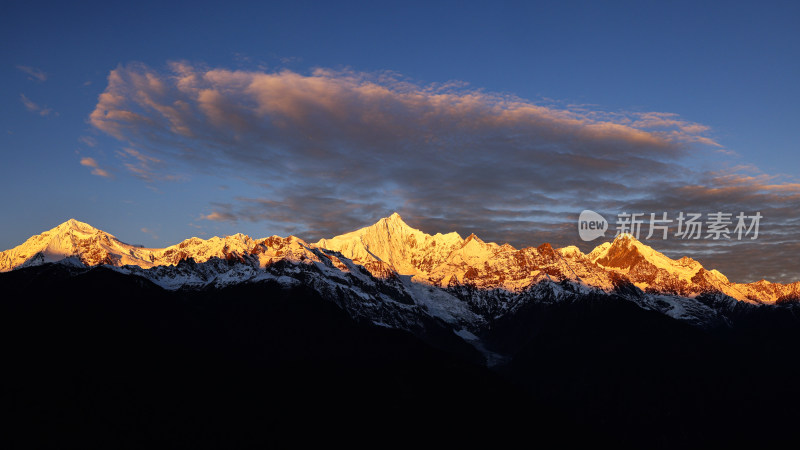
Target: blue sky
x,y
724,76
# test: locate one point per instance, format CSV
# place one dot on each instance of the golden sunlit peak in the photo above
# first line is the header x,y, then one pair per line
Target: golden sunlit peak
x,y
625,236
394,219
73,224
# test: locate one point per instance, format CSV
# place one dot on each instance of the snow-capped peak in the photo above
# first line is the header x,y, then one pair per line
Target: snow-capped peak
x,y
71,238
395,217
76,225
627,253
625,237
651,270
393,242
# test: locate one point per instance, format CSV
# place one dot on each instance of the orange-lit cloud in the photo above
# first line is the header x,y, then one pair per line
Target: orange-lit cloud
x,y
96,169
197,102
220,217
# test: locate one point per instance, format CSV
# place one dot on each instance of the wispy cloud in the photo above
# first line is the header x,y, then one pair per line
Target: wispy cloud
x,y
33,73
145,167
334,150
33,107
217,216
152,233
88,140
96,169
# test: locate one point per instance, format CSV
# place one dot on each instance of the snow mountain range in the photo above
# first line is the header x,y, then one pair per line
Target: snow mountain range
x,y
392,275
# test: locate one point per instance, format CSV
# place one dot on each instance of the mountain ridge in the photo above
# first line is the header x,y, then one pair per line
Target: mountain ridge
x,y
391,247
